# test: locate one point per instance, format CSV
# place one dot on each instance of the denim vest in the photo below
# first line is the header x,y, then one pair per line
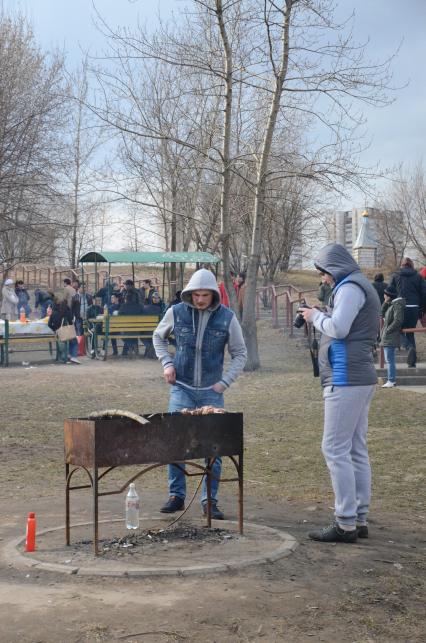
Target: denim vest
x,y
209,352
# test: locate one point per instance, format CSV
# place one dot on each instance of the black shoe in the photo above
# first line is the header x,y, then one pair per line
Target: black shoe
x,y
334,534
173,504
362,531
217,514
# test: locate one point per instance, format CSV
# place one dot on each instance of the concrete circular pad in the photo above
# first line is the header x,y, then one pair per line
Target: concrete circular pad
x,y
259,544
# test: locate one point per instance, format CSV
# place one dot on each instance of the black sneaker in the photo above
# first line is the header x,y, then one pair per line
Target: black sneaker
x,y
362,531
334,534
217,514
173,504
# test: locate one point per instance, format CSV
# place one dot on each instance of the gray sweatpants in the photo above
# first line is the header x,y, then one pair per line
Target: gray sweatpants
x,y
344,446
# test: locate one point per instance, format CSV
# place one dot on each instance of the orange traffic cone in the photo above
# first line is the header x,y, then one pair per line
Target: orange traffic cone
x,y
31,532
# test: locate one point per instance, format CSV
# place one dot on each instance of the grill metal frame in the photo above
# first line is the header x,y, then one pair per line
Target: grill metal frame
x,y
100,445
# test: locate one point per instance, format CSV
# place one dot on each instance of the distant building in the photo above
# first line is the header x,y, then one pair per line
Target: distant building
x,y
347,225
354,229
377,240
364,250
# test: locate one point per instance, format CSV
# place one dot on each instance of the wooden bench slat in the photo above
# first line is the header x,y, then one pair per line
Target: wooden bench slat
x,y
29,339
122,327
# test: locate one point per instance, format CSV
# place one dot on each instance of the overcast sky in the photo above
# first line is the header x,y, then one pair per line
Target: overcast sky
x,y
398,131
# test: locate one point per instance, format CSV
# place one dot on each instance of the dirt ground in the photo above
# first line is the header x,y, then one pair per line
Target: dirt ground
x,y
372,591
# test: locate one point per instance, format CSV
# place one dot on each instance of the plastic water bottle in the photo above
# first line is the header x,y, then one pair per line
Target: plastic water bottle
x,y
132,508
22,317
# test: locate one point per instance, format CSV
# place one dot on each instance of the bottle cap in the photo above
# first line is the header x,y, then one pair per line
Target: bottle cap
x,y
31,514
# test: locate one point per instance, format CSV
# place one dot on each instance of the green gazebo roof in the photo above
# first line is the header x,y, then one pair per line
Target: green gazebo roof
x,y
148,257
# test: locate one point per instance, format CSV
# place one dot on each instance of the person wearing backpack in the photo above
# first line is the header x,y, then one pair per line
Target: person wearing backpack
x,y
410,286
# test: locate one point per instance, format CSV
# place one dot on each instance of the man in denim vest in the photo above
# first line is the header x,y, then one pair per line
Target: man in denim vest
x,y
202,328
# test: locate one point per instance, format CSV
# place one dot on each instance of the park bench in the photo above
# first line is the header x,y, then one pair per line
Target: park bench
x,y
121,327
8,340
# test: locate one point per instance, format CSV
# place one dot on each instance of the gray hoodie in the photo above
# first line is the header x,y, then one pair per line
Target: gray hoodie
x,y
202,280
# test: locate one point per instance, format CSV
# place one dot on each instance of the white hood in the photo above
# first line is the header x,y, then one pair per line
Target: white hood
x,y
202,280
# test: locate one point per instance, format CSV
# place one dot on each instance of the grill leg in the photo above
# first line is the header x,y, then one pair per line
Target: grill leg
x,y
95,511
209,492
67,506
240,494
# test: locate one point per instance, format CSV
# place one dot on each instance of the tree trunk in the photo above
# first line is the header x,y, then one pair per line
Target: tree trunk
x,y
173,243
226,161
75,219
249,312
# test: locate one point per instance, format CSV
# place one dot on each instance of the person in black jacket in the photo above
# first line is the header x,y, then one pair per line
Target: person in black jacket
x,y
131,306
44,299
380,285
146,291
106,291
409,284
177,298
61,314
156,307
113,309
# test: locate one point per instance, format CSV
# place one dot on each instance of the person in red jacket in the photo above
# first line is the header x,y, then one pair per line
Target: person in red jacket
x,y
224,299
240,289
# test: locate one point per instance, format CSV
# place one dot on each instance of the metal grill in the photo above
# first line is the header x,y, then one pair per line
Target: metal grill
x,y
100,445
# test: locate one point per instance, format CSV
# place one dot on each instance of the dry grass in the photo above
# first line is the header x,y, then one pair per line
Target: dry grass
x,y
370,591
303,279
283,423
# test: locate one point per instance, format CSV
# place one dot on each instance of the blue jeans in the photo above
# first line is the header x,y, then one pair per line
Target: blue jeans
x,y
62,352
389,352
78,323
73,347
181,398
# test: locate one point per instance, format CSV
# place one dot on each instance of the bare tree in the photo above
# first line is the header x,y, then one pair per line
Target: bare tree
x,y
324,73
81,176
265,68
409,199
167,124
392,234
31,117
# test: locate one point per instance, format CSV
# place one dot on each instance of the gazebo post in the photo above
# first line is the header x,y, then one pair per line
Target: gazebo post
x,y
182,270
164,280
109,284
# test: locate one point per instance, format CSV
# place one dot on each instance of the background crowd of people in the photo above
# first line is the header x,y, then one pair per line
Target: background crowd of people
x,y
73,305
406,288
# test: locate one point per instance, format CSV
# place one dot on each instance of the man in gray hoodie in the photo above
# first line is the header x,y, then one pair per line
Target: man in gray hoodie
x,y
203,328
348,377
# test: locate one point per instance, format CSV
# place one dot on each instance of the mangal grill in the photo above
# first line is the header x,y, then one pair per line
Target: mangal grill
x,y
100,444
